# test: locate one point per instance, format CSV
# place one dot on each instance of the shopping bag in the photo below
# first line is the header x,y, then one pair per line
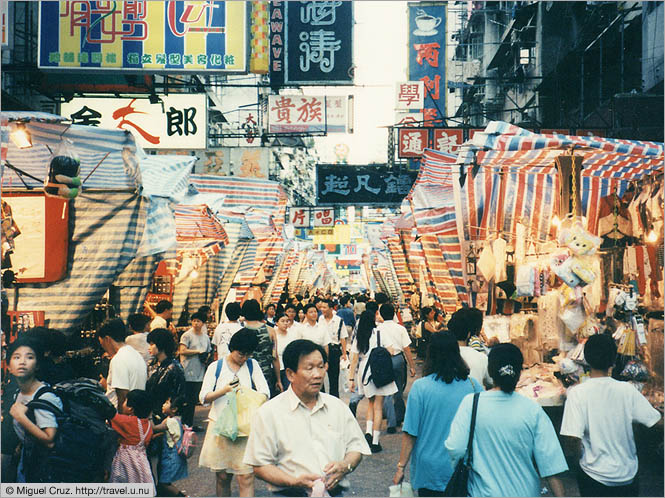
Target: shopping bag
x,y
227,421
401,489
247,402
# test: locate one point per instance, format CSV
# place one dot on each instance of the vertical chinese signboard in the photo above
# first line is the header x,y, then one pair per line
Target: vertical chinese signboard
x,y
181,125
319,43
143,35
427,56
299,217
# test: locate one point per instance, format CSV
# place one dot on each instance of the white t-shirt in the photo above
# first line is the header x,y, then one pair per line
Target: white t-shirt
x,y
292,333
477,363
333,329
393,335
601,412
127,370
158,323
140,343
222,336
315,333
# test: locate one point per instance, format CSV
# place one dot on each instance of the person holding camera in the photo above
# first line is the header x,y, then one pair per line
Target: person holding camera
x,y
194,351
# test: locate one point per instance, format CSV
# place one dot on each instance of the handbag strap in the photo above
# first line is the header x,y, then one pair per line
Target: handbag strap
x,y
339,329
469,447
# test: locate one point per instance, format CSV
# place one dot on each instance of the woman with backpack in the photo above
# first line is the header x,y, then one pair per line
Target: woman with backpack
x,y
218,453
360,374
36,429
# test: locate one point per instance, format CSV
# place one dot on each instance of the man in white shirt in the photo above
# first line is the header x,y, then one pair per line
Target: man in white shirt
x,y
334,326
396,340
461,325
599,413
139,326
163,312
225,330
303,435
127,369
309,329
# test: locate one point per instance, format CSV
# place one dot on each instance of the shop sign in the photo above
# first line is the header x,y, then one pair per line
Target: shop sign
x,y
412,142
178,122
259,54
447,139
361,185
277,37
408,119
142,35
319,43
306,114
323,218
427,56
299,217
409,95
6,24
590,133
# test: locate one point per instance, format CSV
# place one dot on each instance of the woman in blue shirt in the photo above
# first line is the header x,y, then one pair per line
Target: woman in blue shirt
x,y
430,408
514,443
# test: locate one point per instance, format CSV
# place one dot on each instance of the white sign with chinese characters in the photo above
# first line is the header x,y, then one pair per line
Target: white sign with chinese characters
x,y
323,218
177,122
410,95
304,113
410,119
299,217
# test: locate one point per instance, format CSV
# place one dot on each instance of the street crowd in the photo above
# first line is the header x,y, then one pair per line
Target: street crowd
x,y
273,415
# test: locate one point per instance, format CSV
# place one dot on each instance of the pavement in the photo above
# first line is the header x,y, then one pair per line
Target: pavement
x,y
374,475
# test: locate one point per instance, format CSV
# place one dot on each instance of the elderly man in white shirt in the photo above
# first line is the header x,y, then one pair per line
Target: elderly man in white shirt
x,y
395,339
303,438
337,333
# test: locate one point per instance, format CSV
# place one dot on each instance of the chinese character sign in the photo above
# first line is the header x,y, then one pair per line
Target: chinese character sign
x,y
144,35
323,218
299,217
410,95
319,42
180,124
412,142
341,185
427,57
447,140
304,113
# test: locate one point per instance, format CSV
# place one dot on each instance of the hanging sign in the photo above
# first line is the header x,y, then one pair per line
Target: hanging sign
x,y
304,114
427,56
447,139
409,95
319,43
412,142
141,35
408,119
360,185
323,218
299,217
178,122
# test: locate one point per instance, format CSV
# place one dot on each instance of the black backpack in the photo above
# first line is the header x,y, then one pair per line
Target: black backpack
x,y
84,444
381,364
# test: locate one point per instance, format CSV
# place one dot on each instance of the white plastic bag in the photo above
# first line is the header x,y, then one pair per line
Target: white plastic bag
x,y
401,489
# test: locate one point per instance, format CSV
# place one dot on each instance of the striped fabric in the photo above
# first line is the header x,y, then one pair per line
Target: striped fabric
x,y
106,230
195,222
133,284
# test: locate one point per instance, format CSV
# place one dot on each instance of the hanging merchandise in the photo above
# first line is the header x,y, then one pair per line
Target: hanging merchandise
x,y
63,177
578,266
499,250
487,263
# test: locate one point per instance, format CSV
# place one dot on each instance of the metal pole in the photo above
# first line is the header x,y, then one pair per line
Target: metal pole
x,y
600,73
582,92
621,55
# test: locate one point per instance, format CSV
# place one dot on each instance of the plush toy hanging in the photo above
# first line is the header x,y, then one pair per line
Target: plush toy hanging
x,y
63,177
574,268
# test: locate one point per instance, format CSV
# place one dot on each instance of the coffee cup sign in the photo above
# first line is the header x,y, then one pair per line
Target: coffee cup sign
x,y
426,23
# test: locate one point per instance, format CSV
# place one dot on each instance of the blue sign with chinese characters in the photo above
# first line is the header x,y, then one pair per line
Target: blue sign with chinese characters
x,y
319,43
427,56
361,185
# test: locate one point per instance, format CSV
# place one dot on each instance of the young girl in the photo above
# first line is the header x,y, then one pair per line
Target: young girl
x,y
24,359
134,429
172,466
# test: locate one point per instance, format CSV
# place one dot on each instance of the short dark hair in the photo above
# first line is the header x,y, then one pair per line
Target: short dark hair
x,y
444,359
271,305
600,351
460,323
163,340
310,305
25,340
50,341
372,306
179,403
139,400
344,300
299,348
163,305
204,309
387,311
299,297
114,328
138,321
251,310
475,320
233,311
328,302
290,306
504,364
424,311
199,316
245,341
381,298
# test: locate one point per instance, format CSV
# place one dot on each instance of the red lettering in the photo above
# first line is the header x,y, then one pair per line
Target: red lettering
x,y
277,40
276,27
276,14
276,65
276,52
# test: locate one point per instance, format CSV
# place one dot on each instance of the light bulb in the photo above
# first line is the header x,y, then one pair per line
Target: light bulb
x,y
20,136
652,237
